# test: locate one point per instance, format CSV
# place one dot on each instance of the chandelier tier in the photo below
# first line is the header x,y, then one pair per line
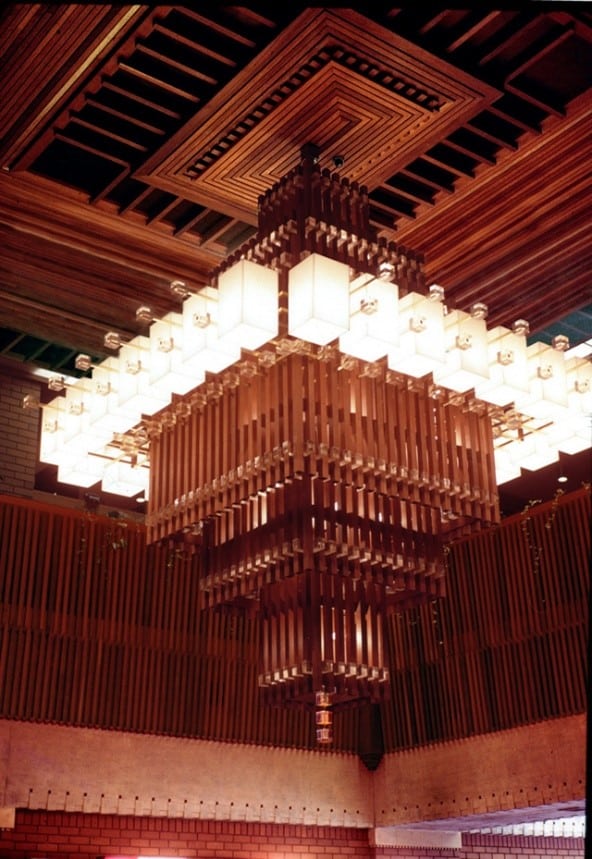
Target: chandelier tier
x,y
325,493
315,484
316,425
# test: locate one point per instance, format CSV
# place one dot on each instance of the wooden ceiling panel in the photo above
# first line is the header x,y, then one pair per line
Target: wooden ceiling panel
x,y
49,52
134,153
331,78
520,237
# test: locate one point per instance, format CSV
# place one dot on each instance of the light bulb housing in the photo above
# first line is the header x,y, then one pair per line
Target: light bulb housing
x,y
318,299
248,305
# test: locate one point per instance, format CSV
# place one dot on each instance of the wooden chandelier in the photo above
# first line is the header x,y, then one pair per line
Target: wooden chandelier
x,y
319,489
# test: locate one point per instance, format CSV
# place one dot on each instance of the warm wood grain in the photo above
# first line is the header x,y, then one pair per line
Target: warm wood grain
x,y
113,637
499,205
510,631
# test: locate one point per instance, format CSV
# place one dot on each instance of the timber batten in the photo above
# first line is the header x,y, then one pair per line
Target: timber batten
x,y
100,630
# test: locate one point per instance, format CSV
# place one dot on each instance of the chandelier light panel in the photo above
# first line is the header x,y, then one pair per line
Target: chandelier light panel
x,y
466,350
53,418
373,318
507,376
80,426
573,434
202,349
421,349
84,471
547,390
318,299
123,478
316,424
105,411
248,305
166,372
533,452
135,392
66,429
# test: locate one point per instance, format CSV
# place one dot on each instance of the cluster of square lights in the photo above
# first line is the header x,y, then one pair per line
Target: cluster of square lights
x,y
549,391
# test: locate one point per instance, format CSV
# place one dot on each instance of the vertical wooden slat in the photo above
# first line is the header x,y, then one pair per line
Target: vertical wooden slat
x,y
76,627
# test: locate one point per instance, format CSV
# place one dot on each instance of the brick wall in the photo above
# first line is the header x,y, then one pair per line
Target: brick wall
x,y
493,847
521,847
19,436
66,835
62,835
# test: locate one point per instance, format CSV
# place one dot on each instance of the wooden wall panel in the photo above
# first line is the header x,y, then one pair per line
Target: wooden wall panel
x,y
98,629
507,646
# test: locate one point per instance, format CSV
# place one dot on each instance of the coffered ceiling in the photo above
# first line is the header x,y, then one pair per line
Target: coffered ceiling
x,y
135,141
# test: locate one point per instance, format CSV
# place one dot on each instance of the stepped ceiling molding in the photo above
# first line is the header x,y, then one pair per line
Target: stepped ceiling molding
x,y
375,96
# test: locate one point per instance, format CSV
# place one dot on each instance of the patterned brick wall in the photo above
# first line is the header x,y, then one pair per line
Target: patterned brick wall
x,y
521,847
493,847
19,436
64,835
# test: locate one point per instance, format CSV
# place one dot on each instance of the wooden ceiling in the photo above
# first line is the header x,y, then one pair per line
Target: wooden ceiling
x,y
135,140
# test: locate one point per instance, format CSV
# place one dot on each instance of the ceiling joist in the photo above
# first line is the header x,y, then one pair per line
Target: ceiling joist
x,y
123,92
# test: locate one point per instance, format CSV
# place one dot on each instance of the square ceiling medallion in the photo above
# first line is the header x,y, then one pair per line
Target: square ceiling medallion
x,y
364,94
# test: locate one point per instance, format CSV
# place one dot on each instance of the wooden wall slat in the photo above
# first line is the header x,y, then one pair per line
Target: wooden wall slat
x,y
110,634
515,618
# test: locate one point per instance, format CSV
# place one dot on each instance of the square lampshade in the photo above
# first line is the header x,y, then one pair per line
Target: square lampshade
x,y
83,470
506,468
135,393
578,372
202,349
571,436
54,418
82,432
65,431
122,478
547,384
167,373
508,368
82,436
374,319
533,451
466,356
248,305
576,441
421,343
78,398
318,299
105,411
